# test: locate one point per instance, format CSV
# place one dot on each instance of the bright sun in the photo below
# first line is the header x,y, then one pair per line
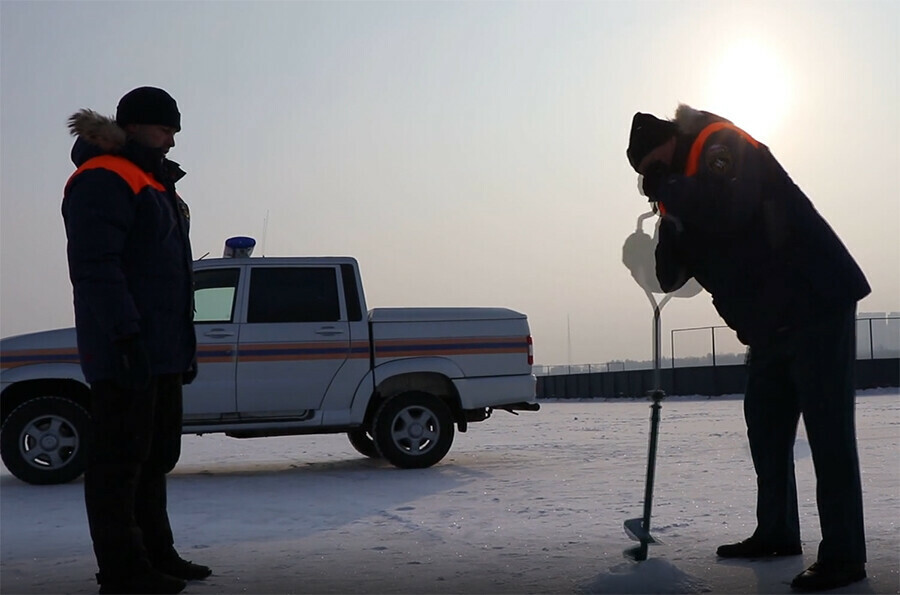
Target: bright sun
x,y
751,88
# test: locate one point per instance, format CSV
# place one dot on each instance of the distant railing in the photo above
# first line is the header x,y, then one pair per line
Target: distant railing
x,y
877,337
882,337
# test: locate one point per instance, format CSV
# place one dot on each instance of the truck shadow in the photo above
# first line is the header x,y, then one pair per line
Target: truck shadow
x,y
239,504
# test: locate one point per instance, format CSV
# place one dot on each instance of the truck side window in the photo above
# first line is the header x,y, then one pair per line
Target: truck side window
x,y
351,293
214,292
294,294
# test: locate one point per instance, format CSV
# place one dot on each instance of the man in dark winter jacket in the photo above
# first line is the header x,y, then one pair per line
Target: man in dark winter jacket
x,y
779,276
130,265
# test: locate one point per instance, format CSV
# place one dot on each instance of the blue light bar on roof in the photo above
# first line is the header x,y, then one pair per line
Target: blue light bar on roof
x,y
239,247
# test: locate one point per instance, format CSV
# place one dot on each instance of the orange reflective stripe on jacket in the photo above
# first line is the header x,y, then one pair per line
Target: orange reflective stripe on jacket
x,y
133,175
693,162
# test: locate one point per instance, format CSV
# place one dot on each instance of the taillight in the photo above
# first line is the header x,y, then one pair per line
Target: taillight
x,y
530,351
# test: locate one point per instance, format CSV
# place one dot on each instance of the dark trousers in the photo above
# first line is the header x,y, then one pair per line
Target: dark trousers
x,y
810,372
136,440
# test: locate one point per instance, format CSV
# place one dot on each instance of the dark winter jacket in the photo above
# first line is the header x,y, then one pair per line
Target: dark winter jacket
x,y
128,250
736,222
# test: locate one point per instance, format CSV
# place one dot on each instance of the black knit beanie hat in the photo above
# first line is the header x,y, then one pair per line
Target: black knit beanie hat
x,y
647,133
148,105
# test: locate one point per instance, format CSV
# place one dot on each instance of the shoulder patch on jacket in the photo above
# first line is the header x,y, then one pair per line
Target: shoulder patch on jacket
x,y
184,208
718,159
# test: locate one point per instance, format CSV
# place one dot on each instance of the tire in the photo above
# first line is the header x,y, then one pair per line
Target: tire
x,y
413,430
362,441
43,441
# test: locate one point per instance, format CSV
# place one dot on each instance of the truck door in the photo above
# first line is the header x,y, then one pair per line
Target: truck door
x,y
295,339
216,304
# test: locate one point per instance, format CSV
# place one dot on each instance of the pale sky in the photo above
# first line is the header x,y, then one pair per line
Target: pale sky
x,y
467,153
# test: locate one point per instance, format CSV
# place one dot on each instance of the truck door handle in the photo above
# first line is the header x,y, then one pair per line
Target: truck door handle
x,y
329,331
218,333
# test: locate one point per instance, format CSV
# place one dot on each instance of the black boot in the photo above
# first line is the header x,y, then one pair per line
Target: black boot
x,y
144,580
822,576
176,566
758,548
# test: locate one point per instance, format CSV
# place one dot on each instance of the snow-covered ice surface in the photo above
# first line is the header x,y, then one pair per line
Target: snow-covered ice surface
x,y
527,504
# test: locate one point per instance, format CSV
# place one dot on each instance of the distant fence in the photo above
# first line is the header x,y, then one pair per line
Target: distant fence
x,y
877,337
698,380
716,373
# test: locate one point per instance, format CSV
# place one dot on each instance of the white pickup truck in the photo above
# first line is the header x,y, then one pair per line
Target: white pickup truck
x,y
285,347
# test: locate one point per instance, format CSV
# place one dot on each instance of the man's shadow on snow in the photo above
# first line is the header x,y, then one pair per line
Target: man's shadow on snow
x,y
774,575
657,575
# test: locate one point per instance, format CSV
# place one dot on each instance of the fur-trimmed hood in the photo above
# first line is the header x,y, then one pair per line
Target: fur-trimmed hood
x,y
97,129
691,121
96,134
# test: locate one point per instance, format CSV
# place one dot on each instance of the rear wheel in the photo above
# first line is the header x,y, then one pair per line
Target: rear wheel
x,y
43,440
413,430
362,441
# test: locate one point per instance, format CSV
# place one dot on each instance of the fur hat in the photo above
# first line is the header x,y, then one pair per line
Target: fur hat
x,y
647,133
148,105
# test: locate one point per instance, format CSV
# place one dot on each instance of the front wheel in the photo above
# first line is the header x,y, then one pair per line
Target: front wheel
x,y
413,430
362,441
43,440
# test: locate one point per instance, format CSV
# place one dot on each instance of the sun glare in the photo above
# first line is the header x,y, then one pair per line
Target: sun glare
x,y
751,88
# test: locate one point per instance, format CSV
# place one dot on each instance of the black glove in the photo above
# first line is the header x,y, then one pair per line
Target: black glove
x,y
188,375
656,173
133,363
